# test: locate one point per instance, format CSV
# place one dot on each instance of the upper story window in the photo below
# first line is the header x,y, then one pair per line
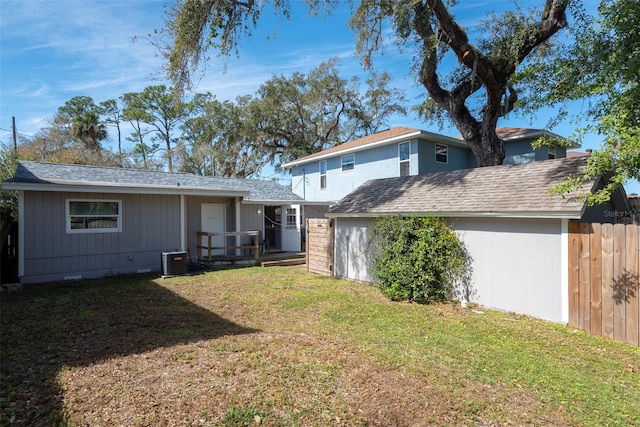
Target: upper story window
x,y
323,174
552,151
404,158
442,153
348,162
94,216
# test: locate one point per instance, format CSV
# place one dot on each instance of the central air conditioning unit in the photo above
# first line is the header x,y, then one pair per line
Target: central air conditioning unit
x,y
174,263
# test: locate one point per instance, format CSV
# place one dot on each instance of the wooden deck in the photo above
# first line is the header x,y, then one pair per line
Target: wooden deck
x,y
267,259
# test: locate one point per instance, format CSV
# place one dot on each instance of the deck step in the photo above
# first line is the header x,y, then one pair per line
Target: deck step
x,y
284,262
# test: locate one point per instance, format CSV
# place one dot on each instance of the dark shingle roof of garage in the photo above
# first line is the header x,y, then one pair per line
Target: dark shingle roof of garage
x,y
55,175
508,190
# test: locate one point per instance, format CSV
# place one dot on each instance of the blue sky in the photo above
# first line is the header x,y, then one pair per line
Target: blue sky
x,y
53,50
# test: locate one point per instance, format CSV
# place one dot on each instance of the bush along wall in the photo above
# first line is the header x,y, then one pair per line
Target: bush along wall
x,y
419,259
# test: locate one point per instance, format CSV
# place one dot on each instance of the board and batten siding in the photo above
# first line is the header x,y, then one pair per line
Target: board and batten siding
x,y
194,220
150,226
517,262
352,257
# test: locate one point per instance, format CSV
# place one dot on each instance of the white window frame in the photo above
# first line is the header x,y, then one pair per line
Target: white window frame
x,y
352,162
68,216
291,214
323,182
552,153
407,160
446,153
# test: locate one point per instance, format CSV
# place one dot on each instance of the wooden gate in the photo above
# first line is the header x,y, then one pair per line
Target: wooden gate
x,y
320,246
604,280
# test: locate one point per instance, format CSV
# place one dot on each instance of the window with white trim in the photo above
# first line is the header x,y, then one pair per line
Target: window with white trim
x,y
404,158
323,174
552,151
93,216
291,217
348,162
442,153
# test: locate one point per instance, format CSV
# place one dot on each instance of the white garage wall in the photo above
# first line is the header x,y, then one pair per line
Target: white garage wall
x,y
517,262
352,254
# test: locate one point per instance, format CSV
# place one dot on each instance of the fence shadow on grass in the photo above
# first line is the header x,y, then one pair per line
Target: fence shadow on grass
x,y
47,327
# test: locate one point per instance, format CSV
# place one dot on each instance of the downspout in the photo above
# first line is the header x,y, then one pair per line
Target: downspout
x,y
564,270
183,223
20,234
238,228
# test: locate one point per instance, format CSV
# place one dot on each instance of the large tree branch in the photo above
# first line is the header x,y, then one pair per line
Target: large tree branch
x,y
452,102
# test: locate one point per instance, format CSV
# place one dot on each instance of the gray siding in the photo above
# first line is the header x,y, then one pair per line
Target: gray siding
x,y
150,226
517,262
194,220
250,220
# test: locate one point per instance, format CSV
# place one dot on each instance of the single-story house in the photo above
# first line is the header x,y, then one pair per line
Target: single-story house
x,y
80,221
515,231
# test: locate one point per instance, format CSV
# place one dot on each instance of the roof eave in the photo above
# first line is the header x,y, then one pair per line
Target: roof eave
x,y
395,139
539,133
568,214
83,188
272,202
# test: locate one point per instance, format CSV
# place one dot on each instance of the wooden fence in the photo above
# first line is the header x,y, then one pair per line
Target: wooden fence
x,y
320,246
604,280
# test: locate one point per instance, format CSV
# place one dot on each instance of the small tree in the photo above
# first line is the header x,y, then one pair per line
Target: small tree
x,y
419,260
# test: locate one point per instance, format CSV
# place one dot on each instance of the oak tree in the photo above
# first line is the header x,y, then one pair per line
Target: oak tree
x,y
474,95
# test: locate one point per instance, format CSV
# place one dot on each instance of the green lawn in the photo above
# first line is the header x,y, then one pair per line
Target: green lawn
x,y
282,347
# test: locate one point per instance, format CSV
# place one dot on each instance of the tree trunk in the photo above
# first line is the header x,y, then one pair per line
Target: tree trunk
x,y
490,73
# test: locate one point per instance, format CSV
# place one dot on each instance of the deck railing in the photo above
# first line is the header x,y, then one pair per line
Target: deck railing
x,y
255,246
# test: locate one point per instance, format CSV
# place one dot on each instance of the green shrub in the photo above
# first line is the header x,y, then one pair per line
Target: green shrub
x,y
419,259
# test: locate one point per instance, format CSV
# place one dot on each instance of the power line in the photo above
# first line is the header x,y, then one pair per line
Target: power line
x,y
19,133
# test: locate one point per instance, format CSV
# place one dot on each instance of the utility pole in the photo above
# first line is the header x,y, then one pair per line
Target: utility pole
x,y
15,134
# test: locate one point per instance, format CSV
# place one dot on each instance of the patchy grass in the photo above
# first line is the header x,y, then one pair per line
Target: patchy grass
x,y
284,348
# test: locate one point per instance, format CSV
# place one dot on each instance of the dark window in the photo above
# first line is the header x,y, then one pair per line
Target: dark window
x,y
442,153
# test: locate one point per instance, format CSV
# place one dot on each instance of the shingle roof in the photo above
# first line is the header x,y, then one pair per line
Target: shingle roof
x,y
57,175
514,134
391,135
508,190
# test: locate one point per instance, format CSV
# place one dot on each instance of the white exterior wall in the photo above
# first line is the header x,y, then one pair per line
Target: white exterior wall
x,y
352,255
518,263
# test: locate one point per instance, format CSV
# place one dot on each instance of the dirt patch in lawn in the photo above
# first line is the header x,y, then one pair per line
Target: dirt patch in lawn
x,y
284,378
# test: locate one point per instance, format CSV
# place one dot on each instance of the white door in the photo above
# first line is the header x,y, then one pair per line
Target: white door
x,y
212,220
291,227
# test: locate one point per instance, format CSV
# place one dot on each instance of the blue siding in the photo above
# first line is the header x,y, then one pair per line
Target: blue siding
x,y
383,162
378,162
522,152
457,158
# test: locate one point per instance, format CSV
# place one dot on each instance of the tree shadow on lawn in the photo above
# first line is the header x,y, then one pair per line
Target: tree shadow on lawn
x,y
47,327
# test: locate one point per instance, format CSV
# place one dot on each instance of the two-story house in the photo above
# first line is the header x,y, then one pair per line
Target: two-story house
x,y
329,175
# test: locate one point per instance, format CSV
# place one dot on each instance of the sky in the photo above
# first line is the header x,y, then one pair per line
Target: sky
x,y
53,50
